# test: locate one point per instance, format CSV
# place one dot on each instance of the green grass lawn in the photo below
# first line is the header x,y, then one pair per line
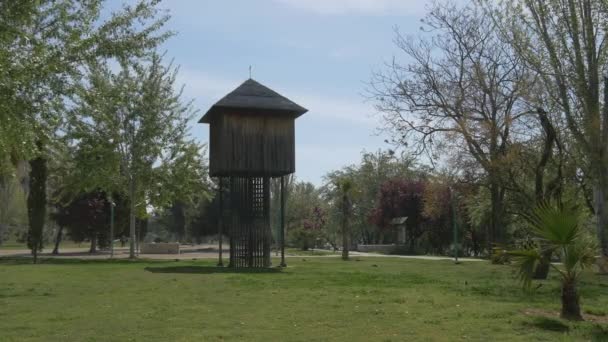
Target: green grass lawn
x,y
314,299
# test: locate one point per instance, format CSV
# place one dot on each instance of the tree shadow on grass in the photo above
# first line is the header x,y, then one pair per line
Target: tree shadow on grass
x,y
203,250
27,260
549,324
211,270
599,333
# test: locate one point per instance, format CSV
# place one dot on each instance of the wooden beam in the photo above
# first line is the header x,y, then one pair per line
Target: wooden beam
x,y
220,222
283,264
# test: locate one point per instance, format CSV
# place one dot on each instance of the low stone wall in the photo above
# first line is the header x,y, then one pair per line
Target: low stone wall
x,y
377,248
160,248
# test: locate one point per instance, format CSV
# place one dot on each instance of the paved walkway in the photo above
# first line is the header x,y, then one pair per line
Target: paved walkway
x,y
421,257
189,252
186,252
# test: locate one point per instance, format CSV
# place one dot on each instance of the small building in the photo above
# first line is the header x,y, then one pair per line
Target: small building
x,y
252,133
399,223
251,140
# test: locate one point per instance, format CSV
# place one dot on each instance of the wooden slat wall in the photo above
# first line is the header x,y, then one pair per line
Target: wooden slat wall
x,y
248,144
250,234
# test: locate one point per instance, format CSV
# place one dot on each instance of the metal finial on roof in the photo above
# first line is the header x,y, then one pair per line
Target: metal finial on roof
x,y
250,72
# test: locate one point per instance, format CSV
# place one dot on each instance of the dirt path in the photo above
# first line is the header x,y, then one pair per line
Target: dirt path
x,y
186,252
189,252
421,257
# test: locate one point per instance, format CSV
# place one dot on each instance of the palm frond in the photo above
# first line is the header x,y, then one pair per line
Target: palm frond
x,y
580,254
526,262
554,223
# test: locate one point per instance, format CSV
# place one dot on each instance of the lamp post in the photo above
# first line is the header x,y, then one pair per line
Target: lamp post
x,y
112,205
220,262
454,224
282,223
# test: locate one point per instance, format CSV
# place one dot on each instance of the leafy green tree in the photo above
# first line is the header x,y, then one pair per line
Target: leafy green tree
x,y
367,177
312,230
137,111
302,200
205,218
476,209
182,174
316,223
45,44
558,231
563,42
86,217
13,215
181,183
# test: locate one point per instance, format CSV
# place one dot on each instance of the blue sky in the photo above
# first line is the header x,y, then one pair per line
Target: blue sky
x,y
319,53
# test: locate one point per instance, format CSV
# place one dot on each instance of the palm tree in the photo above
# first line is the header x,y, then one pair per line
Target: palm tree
x,y
558,231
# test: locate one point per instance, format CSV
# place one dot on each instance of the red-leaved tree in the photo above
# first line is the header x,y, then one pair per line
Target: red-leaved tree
x,y
398,198
87,217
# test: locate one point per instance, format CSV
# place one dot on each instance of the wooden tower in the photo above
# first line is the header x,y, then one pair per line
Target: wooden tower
x,y
252,139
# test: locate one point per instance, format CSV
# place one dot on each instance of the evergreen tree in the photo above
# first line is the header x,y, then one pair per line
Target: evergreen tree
x,y
36,203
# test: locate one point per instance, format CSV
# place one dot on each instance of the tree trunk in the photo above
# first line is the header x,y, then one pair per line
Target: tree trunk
x,y
601,186
601,214
570,301
36,204
412,245
546,154
476,243
93,248
542,269
495,234
58,240
138,224
179,219
345,228
344,242
132,218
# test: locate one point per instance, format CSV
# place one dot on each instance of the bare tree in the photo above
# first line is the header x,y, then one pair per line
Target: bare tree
x,y
461,87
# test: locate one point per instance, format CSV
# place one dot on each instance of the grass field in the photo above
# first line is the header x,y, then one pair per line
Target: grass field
x,y
314,299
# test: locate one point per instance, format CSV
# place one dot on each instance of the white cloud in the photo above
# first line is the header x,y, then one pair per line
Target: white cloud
x,y
329,7
346,110
314,161
207,88
201,85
